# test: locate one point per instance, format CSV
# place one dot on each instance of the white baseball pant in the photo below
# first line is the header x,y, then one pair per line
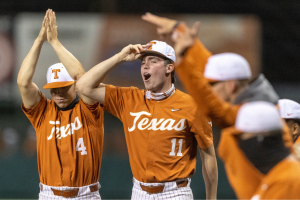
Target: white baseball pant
x,y
84,193
170,192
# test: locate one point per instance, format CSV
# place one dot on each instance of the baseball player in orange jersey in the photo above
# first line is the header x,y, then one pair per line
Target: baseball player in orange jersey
x,y
69,127
258,134
192,56
162,125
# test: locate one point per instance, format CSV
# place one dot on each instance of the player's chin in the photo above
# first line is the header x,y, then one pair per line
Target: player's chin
x,y
147,87
61,104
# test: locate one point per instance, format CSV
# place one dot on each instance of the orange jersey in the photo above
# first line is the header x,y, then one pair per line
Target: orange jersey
x,y
69,143
282,181
161,136
242,175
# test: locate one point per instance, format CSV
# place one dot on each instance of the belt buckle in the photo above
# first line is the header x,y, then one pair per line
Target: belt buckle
x,y
149,187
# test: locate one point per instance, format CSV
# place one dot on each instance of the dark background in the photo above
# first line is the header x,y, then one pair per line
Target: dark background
x,y
280,22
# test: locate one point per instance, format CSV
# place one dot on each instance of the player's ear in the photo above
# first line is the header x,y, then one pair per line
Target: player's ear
x,y
169,68
230,86
295,129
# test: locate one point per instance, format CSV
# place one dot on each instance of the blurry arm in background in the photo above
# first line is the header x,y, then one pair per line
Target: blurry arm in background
x,y
73,66
29,91
191,58
89,83
209,171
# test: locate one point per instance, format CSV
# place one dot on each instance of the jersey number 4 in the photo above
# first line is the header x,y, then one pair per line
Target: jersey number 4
x,y
80,146
173,141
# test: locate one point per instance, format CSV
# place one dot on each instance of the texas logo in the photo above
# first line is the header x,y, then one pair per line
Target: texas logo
x,y
64,131
155,124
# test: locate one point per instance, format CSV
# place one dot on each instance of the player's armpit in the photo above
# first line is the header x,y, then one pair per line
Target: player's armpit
x,y
30,95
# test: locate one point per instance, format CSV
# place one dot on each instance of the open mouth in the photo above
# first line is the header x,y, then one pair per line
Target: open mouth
x,y
147,76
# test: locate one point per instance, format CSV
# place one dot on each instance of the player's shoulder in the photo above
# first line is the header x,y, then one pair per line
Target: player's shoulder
x,y
286,170
125,89
185,98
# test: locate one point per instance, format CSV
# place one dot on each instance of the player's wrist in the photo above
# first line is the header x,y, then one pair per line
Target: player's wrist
x,y
54,41
39,40
120,58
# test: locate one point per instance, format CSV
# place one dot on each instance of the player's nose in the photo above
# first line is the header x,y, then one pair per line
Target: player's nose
x,y
146,65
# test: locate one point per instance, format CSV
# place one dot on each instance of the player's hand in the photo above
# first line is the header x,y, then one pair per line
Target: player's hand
x,y
43,32
183,38
51,26
164,25
131,52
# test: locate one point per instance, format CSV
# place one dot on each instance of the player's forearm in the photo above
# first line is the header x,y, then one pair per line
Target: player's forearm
x,y
210,171
96,75
190,72
211,180
72,65
29,64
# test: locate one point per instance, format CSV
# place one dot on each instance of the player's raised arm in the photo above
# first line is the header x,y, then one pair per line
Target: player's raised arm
x,y
73,66
165,26
89,83
189,70
29,91
209,171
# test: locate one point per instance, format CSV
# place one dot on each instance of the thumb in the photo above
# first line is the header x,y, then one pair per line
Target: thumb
x,y
195,28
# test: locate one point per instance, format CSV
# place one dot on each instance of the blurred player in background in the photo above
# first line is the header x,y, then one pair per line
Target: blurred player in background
x,y
192,59
69,127
290,112
258,134
162,125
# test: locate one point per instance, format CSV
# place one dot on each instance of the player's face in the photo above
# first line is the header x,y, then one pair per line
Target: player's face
x,y
219,88
154,72
63,96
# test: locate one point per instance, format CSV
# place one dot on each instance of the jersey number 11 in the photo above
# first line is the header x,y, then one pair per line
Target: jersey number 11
x,y
172,153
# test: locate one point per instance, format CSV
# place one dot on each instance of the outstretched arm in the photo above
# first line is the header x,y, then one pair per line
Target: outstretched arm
x,y
209,171
89,83
29,91
73,66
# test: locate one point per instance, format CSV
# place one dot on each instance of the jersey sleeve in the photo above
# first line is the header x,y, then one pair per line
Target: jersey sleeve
x,y
190,72
201,127
116,99
92,112
35,114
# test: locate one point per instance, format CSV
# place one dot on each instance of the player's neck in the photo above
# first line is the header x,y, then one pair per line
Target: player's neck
x,y
162,88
